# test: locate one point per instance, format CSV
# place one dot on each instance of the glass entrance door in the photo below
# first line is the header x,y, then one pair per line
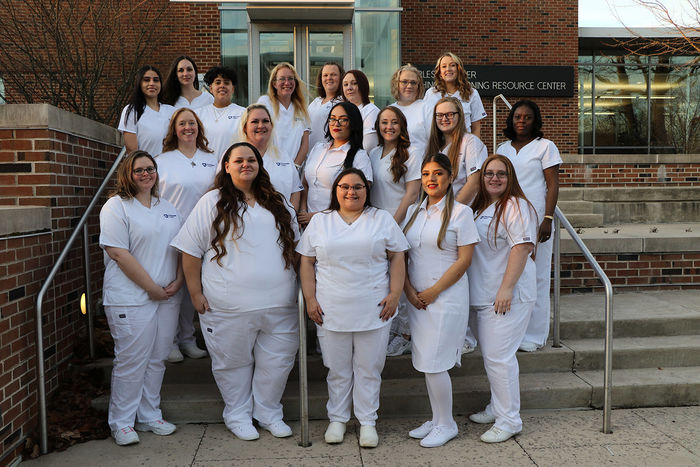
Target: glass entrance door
x,y
306,46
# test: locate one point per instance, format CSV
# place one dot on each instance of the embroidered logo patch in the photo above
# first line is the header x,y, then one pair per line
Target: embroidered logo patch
x,y
526,239
206,164
169,216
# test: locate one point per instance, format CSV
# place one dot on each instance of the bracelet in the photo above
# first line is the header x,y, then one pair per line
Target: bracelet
x,y
551,218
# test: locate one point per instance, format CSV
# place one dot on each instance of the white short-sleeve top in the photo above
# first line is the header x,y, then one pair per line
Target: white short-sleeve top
x,y
386,194
200,101
322,167
146,234
369,114
150,129
182,180
252,275
529,163
352,269
220,126
473,108
427,262
490,258
318,112
289,129
472,153
283,174
415,118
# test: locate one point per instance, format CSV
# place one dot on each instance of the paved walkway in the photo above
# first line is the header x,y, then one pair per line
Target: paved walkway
x,y
668,436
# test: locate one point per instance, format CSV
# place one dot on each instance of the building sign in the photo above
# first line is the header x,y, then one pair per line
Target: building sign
x,y
521,81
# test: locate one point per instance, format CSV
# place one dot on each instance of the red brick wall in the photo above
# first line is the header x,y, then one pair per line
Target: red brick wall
x,y
43,168
629,174
504,32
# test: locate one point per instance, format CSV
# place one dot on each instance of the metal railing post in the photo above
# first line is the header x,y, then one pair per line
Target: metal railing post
x,y
557,282
88,290
502,97
303,380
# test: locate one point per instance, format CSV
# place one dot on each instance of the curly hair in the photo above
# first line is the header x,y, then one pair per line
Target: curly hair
x,y
126,188
397,76
398,161
170,142
509,130
463,85
232,205
437,138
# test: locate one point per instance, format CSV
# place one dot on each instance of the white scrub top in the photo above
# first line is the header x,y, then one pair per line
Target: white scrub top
x,y
352,269
490,259
289,129
182,180
369,114
385,193
318,112
283,174
415,118
530,163
252,275
220,126
200,101
146,234
438,331
150,129
473,108
322,167
472,154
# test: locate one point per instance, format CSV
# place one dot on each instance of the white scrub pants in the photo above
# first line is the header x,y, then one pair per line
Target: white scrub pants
x,y
185,324
142,339
252,353
355,361
499,338
538,327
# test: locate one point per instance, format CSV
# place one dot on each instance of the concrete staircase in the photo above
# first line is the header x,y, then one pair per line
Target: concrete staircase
x,y
656,361
578,211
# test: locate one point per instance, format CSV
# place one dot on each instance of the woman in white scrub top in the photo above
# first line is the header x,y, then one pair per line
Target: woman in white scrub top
x,y
220,119
326,160
286,101
536,161
140,295
408,89
442,236
451,81
502,290
144,121
356,90
352,271
256,128
238,258
330,92
182,85
187,169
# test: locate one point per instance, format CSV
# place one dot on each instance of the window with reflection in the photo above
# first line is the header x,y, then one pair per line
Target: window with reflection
x,y
234,49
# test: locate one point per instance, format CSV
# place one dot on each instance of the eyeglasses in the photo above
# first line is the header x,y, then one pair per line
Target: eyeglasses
x,y
342,121
149,170
406,82
345,187
500,174
447,115
282,79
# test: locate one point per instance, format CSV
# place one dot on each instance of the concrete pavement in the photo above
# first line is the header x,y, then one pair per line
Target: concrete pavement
x,y
668,436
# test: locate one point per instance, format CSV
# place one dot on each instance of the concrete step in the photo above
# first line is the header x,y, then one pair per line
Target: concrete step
x,y
585,220
570,194
575,207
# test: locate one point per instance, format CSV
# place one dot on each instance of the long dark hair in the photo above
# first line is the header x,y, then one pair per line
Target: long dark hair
x,y
444,162
126,188
355,130
335,204
232,205
172,89
509,130
513,190
319,83
137,101
362,84
398,162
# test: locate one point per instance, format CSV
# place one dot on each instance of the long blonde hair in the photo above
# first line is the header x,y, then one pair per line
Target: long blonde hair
x,y
271,149
298,98
438,140
463,85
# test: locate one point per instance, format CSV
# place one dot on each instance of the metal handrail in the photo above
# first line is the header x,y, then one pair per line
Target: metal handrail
x,y
81,227
303,381
560,219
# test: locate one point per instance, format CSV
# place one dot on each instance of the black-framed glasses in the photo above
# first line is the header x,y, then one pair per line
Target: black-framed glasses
x,y
447,115
342,121
141,170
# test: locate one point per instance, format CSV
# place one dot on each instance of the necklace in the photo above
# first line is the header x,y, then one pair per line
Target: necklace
x,y
351,219
219,113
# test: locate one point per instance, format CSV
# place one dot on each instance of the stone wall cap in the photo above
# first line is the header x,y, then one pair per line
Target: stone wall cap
x,y
18,220
630,158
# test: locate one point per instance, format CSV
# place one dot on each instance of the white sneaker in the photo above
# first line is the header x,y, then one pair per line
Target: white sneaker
x,y
158,427
277,429
528,347
335,433
192,351
175,356
245,432
368,436
496,435
467,348
422,431
439,435
125,436
482,417
398,346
